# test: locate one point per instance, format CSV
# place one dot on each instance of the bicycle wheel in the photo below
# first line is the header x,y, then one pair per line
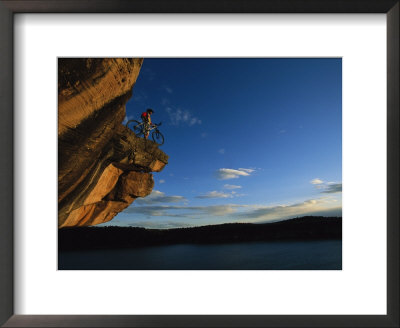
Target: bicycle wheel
x,y
136,126
157,137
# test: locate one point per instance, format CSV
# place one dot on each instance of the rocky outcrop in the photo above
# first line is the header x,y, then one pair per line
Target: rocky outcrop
x,y
102,166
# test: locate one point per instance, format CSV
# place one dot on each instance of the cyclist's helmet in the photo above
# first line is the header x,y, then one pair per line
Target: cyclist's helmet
x,y
149,110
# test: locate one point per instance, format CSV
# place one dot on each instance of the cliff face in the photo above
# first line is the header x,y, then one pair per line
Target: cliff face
x,y
102,166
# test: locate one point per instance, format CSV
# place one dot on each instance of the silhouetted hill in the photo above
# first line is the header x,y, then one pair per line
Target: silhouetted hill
x,y
305,228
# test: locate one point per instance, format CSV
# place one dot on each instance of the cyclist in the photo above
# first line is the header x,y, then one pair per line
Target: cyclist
x,y
146,118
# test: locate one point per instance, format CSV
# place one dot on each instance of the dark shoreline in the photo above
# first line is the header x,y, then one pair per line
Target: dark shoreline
x,y
298,229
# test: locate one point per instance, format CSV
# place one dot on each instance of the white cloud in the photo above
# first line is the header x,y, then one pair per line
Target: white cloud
x,y
225,174
162,181
221,151
179,116
220,210
310,202
229,186
333,188
247,170
327,187
316,181
159,197
215,194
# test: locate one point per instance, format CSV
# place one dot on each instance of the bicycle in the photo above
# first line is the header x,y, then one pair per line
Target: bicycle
x,y
139,129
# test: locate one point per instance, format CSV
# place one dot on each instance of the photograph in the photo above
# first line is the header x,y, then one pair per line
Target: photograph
x,y
193,162
199,163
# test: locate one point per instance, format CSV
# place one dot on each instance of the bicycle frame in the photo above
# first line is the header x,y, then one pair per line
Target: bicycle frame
x,y
143,128
148,127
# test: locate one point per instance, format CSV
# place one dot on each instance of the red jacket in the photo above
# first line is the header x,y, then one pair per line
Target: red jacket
x,y
146,117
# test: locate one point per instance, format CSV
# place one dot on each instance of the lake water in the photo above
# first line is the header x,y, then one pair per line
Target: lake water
x,y
308,255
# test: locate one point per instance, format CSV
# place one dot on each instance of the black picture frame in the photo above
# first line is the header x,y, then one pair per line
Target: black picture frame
x,y
11,7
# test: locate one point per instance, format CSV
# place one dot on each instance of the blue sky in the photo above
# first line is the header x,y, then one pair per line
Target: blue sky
x,y
249,140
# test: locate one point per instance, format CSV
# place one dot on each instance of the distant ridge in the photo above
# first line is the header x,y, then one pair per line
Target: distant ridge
x,y
299,229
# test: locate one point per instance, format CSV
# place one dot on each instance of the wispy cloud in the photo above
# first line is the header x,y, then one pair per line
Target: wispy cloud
x,y
219,210
139,96
189,212
225,174
230,186
150,210
168,89
159,197
246,170
327,187
150,224
236,212
316,181
178,116
162,181
204,134
215,194
285,211
181,216
332,188
148,73
221,151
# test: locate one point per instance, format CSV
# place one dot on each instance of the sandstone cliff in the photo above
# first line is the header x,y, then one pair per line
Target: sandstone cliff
x,y
102,166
